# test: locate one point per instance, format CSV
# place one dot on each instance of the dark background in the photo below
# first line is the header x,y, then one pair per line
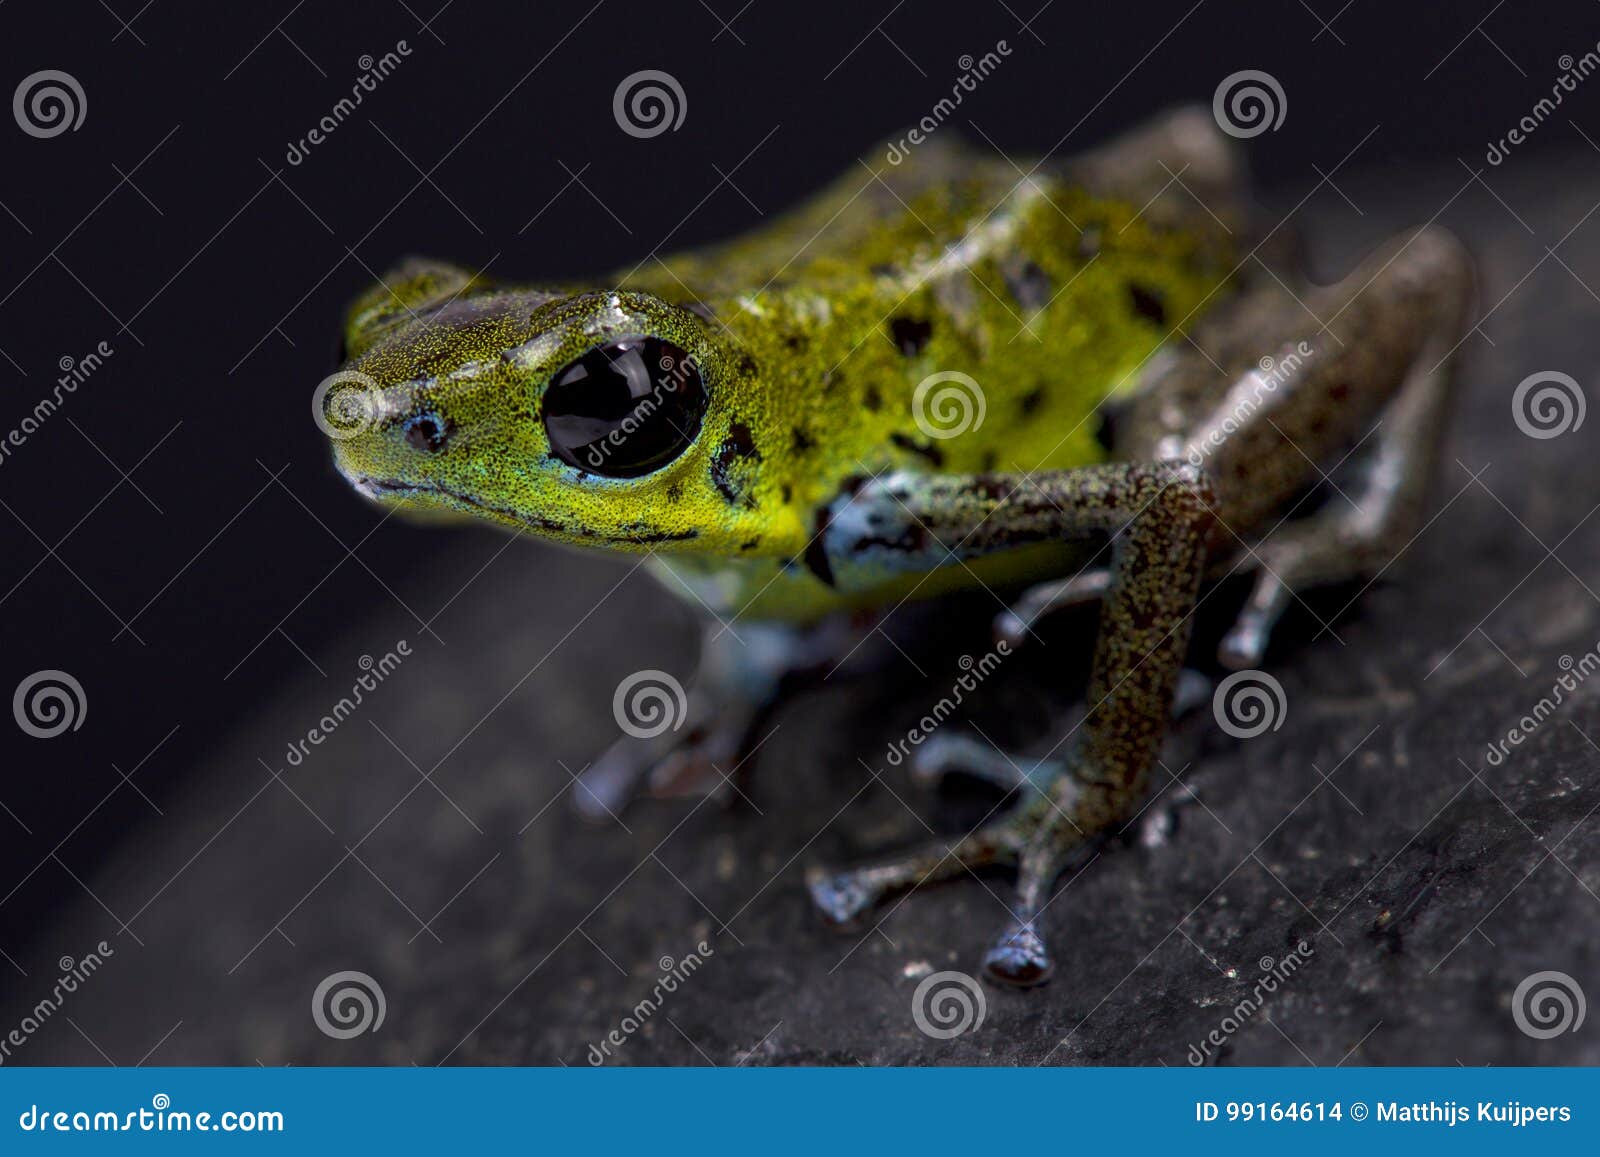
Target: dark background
x,y
184,493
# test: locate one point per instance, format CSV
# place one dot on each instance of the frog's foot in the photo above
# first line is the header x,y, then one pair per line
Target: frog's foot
x,y
1040,839
842,896
719,721
699,758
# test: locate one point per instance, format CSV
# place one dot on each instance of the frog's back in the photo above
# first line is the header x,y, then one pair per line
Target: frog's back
x,y
1048,286
960,313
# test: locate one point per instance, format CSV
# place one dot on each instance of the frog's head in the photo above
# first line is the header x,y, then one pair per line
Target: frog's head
x,y
601,418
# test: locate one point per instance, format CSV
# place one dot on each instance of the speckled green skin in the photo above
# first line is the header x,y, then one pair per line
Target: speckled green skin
x,y
812,335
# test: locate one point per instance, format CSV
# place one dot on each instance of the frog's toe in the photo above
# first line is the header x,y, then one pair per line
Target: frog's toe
x,y
944,755
1245,644
1193,690
603,789
1019,958
1013,625
841,897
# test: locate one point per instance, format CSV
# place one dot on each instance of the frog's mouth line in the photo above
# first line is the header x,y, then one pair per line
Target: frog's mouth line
x,y
377,488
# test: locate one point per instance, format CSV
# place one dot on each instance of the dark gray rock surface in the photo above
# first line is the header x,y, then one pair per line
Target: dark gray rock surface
x,y
1427,882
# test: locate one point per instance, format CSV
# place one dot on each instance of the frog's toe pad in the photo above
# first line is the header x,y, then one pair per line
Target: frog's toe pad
x,y
1019,959
841,897
1011,628
603,789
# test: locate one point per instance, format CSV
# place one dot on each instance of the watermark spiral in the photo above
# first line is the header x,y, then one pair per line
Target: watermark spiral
x,y
49,103
49,703
347,1004
1547,1004
346,404
1249,103
1249,703
648,103
948,404
649,703
947,1004
1548,404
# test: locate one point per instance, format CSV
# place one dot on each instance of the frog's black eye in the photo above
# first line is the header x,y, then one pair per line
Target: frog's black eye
x,y
426,432
626,408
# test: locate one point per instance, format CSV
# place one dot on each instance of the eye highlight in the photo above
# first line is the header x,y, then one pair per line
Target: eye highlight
x,y
625,409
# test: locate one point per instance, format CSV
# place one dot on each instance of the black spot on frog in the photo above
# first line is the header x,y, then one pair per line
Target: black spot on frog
x,y
910,334
731,482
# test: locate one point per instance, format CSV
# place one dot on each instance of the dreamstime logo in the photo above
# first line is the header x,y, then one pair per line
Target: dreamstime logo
x,y
1573,673
1572,72
948,404
1274,975
1249,703
374,672
974,672
1548,1004
649,703
678,375
947,1004
47,104
373,72
73,975
1247,395
1248,103
1548,404
648,103
972,72
47,703
346,404
74,372
347,1004
673,974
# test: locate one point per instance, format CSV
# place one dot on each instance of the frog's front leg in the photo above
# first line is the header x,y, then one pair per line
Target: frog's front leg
x,y
743,674
1161,515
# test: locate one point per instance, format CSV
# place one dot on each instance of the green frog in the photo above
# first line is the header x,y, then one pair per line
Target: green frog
x,y
1091,380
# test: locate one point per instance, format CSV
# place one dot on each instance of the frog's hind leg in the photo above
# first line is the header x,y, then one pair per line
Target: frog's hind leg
x,y
1267,394
1359,531
1373,386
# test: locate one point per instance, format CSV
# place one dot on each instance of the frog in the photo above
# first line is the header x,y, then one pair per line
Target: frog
x,y
1098,380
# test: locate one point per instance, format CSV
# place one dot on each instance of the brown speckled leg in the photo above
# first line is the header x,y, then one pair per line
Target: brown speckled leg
x,y
1161,515
1356,535
1377,377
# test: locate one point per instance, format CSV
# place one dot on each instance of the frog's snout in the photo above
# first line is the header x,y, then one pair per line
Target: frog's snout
x,y
368,488
350,404
367,421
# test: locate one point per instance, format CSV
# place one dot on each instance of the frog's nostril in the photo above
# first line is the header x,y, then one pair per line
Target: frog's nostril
x,y
426,432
